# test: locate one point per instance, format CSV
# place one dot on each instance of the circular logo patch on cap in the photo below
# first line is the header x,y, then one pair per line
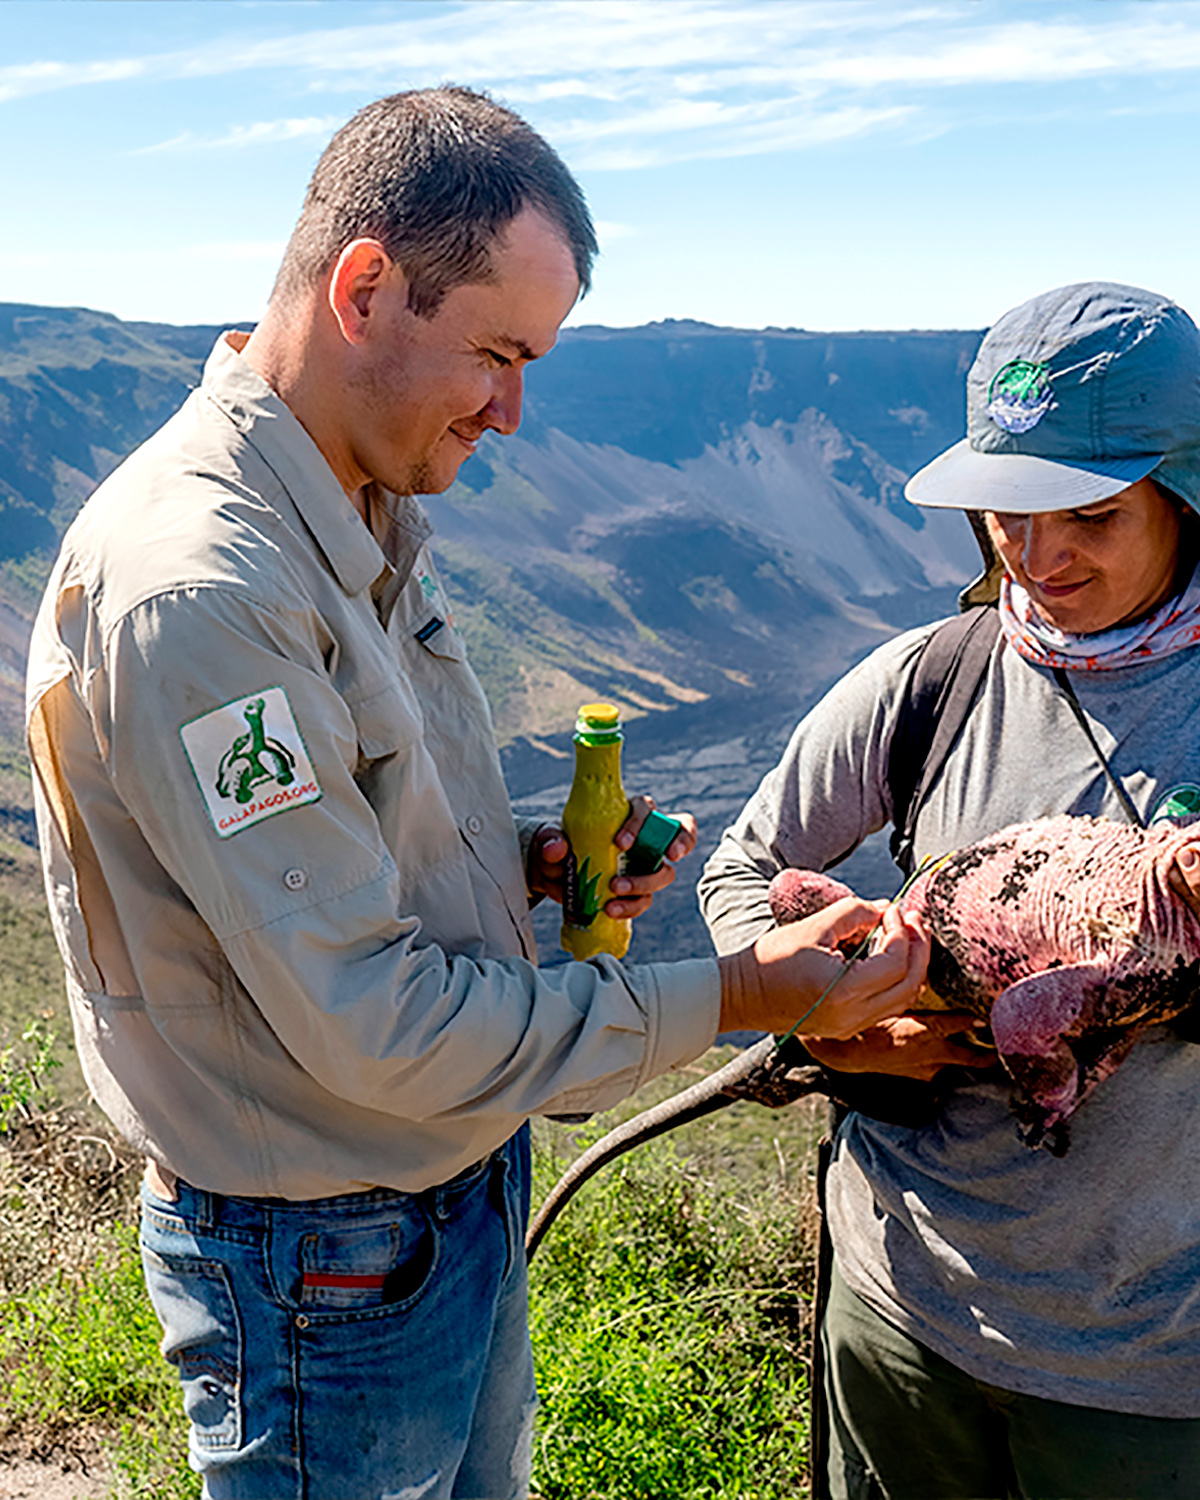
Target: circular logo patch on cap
x,y
1180,802
1020,395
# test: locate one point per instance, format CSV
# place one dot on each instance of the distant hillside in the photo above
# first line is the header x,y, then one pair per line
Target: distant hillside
x,y
691,517
705,524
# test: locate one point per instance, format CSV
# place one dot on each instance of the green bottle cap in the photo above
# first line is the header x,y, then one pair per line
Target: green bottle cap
x,y
649,849
598,723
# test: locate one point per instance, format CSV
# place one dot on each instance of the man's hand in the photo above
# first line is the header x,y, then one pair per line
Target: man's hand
x,y
632,894
770,986
1185,876
909,1046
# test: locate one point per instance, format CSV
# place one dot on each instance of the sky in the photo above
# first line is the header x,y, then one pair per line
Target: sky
x,y
820,164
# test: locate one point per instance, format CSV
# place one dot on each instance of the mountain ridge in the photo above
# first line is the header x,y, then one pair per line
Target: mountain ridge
x,y
705,525
688,514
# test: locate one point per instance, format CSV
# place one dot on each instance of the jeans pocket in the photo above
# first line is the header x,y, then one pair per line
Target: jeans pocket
x,y
202,1338
347,1267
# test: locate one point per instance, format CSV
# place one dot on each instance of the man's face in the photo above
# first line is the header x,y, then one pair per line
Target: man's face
x,y
1101,565
425,390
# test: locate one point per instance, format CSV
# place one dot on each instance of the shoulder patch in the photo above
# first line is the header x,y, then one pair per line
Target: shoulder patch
x,y
249,760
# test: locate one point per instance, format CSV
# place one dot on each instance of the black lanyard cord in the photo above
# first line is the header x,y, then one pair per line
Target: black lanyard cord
x,y
1131,812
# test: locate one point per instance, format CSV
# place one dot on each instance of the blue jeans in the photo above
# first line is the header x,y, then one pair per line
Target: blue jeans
x,y
367,1347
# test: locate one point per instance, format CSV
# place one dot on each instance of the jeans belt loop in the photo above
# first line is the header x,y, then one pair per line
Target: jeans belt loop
x,y
206,1208
438,1196
497,1179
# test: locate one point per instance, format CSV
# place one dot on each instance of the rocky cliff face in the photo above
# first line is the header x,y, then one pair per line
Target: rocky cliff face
x,y
692,514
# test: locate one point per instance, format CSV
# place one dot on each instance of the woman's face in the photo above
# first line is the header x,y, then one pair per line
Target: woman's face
x,y
1102,565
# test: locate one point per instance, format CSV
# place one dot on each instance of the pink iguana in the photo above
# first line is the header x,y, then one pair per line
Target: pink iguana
x,y
1064,934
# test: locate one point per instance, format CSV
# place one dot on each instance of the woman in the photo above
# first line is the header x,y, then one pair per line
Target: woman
x,y
1003,1322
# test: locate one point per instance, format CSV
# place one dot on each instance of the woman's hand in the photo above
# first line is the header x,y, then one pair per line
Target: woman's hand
x,y
770,986
907,1046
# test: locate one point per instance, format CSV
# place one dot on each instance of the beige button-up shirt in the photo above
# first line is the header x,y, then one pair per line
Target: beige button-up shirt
x,y
282,866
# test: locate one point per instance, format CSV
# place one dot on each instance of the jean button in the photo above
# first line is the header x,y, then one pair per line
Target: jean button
x,y
301,1321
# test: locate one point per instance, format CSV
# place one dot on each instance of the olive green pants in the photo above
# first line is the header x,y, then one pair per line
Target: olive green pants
x,y
906,1424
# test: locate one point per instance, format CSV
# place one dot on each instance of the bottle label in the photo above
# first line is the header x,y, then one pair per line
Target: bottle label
x,y
581,901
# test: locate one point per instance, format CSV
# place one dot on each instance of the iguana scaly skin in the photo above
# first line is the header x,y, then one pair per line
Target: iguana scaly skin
x,y
1064,934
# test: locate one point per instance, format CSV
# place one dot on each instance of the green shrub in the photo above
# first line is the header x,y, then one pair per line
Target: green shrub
x,y
25,1068
669,1318
82,1348
76,1346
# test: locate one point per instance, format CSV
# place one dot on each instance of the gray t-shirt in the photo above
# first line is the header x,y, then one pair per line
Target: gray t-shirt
x,y
1075,1279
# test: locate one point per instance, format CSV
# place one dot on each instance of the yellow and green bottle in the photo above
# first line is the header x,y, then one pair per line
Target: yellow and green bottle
x,y
596,808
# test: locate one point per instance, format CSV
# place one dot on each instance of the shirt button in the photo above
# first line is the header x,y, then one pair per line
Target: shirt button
x,y
295,880
474,824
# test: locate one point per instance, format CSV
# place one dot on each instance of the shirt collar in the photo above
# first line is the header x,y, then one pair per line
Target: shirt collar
x,y
401,527
268,423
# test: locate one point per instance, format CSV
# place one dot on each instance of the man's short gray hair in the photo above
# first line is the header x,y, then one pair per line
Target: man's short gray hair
x,y
434,175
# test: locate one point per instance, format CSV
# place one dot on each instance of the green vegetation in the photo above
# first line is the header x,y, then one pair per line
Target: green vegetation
x,y
546,639
25,1070
23,579
78,1346
78,1338
31,984
506,490
80,1349
670,1320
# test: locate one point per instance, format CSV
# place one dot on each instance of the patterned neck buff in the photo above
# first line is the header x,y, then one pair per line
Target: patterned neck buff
x,y
1172,627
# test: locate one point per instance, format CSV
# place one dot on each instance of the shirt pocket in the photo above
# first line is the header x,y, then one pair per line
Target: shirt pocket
x,y
387,719
433,631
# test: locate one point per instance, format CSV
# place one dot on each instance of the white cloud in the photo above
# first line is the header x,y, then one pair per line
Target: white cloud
x,y
20,79
1029,52
648,82
608,231
261,133
736,136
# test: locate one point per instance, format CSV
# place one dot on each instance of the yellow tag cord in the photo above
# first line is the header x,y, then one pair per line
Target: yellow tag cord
x,y
927,866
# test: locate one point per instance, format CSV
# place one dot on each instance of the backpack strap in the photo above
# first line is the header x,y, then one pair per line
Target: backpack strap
x,y
942,690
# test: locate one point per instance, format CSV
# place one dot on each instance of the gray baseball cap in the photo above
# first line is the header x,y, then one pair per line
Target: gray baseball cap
x,y
1073,396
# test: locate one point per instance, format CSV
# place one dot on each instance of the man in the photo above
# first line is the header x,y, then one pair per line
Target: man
x,y
284,873
1003,1322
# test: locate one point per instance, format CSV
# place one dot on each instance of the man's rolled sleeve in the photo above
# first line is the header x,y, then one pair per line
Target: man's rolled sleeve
x,y
682,1006
686,1015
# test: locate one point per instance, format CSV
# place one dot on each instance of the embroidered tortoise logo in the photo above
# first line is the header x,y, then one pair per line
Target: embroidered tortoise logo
x,y
253,758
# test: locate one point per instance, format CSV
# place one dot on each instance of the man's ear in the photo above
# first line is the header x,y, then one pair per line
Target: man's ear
x,y
362,268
